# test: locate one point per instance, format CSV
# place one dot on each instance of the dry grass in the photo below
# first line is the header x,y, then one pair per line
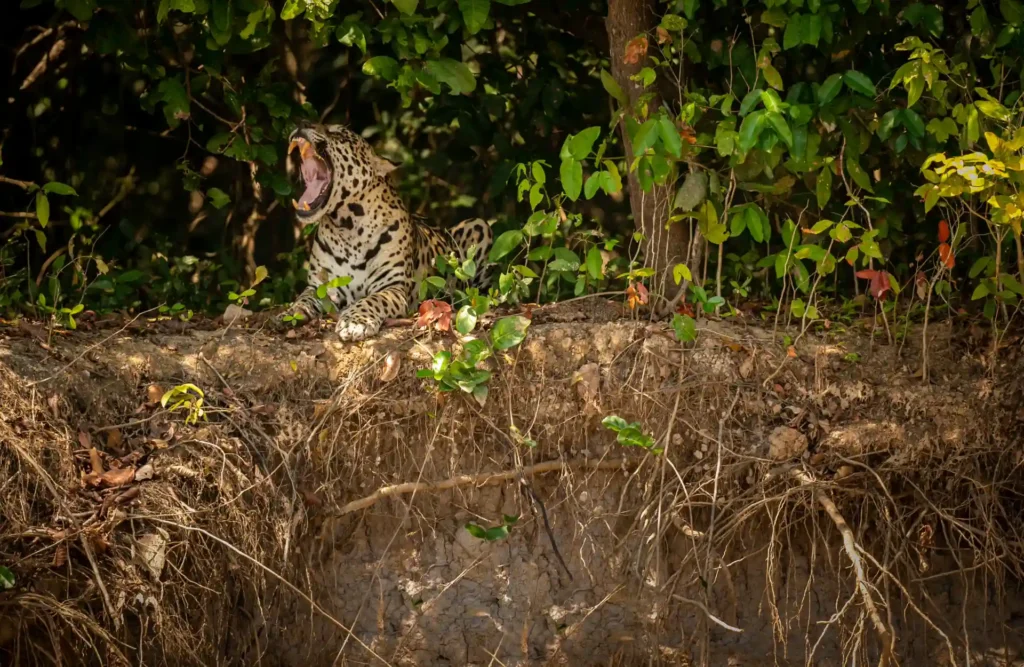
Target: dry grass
x,y
851,553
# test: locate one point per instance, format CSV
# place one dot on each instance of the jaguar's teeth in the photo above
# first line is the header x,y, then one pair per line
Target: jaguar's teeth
x,y
305,149
292,146
295,204
305,205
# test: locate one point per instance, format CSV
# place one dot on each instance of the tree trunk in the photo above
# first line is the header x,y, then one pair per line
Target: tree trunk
x,y
662,249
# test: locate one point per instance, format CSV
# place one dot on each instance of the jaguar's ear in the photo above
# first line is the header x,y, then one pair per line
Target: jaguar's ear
x,y
382,166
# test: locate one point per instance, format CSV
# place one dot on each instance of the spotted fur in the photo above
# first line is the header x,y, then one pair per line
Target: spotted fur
x,y
366,232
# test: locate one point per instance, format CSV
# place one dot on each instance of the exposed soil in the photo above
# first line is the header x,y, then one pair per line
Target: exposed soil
x,y
318,514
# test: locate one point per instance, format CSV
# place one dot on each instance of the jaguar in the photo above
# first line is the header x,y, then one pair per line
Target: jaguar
x,y
366,232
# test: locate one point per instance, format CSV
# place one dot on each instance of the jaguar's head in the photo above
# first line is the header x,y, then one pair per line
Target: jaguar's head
x,y
335,164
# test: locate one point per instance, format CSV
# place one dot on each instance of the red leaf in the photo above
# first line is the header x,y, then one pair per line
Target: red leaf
x,y
663,35
946,255
636,294
636,49
943,231
879,282
435,312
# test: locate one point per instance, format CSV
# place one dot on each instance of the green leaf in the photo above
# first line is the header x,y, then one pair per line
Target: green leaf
x,y
772,76
509,332
823,187
487,534
218,198
465,321
670,136
993,109
685,328
406,6
455,74
859,83
383,67
750,101
42,209
915,88
978,267
55,188
829,89
571,172
750,130
681,272
581,144
780,126
504,244
292,9
645,137
857,173
612,88
795,29
594,263
6,578
593,184
980,292
738,223
474,14
1012,11
887,124
942,129
177,105
83,9
754,226
913,122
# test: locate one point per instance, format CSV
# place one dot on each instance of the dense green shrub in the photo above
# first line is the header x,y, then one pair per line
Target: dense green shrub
x,y
798,136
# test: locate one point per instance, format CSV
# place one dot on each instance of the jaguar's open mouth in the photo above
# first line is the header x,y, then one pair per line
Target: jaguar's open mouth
x,y
316,176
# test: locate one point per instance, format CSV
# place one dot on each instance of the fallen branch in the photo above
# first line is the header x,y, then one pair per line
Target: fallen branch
x,y
852,550
476,480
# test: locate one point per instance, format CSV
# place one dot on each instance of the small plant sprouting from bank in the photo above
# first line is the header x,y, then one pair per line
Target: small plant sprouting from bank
x,y
494,533
463,371
186,397
7,580
630,434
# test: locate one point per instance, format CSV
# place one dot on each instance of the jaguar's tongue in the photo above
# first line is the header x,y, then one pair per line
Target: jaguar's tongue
x,y
316,176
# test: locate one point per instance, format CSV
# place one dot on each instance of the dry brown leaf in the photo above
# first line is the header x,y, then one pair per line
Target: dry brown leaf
x,y
111,478
663,36
153,394
747,367
114,438
60,555
636,49
84,439
791,352
151,550
392,363
95,460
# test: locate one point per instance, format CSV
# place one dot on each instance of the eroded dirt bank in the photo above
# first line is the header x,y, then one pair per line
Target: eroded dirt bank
x,y
329,489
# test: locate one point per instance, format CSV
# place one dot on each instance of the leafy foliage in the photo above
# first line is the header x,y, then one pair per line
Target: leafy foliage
x,y
790,148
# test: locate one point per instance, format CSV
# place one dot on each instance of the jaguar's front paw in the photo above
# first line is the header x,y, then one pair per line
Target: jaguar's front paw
x,y
352,330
